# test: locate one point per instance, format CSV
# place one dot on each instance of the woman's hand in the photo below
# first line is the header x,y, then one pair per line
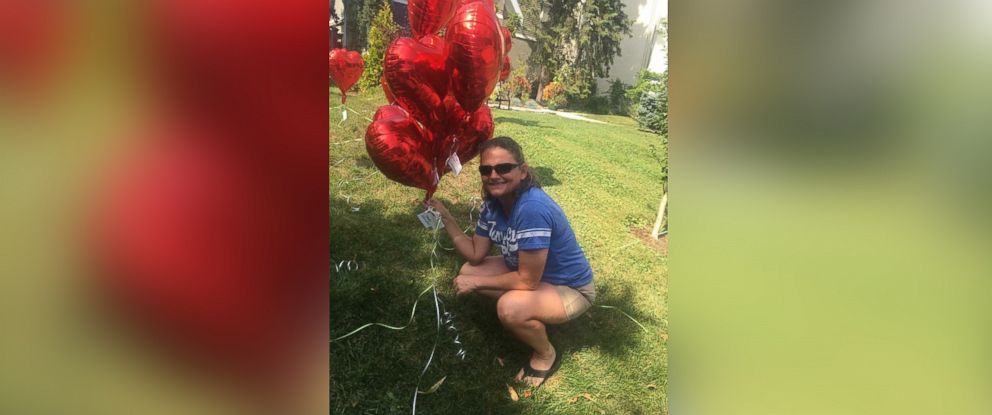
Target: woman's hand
x,y
439,207
465,284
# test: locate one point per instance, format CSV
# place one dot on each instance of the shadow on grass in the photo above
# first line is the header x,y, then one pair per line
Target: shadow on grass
x,y
525,123
545,176
376,370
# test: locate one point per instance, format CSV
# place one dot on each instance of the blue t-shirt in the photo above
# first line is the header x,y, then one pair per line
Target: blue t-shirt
x,y
537,222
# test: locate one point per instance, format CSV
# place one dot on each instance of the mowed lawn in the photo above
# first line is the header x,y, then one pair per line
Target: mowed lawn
x,y
605,179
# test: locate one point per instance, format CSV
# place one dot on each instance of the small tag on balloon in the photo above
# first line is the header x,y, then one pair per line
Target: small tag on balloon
x,y
344,115
455,164
431,219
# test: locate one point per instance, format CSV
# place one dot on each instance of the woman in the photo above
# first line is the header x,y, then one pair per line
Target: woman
x,y
542,276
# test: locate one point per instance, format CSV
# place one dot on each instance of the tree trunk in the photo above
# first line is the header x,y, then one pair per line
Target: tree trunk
x,y
540,86
661,216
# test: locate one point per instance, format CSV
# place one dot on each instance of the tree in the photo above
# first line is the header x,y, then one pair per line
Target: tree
x,y
358,17
602,25
381,35
584,35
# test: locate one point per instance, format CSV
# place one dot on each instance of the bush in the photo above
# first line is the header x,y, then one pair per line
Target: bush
x,y
619,104
519,84
512,22
647,81
532,104
554,95
381,34
515,102
577,86
652,112
597,104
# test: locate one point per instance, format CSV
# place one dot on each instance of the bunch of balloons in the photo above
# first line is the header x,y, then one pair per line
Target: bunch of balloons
x,y
437,87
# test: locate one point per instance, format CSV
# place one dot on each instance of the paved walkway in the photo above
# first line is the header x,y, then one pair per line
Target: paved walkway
x,y
569,115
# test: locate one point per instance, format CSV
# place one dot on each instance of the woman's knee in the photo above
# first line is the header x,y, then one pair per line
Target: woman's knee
x,y
512,308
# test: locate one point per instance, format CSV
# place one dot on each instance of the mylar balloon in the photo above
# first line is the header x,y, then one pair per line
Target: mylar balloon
x,y
401,148
505,72
475,53
345,67
428,16
385,89
467,136
417,76
507,39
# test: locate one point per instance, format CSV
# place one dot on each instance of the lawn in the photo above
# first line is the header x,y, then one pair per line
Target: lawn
x,y
605,179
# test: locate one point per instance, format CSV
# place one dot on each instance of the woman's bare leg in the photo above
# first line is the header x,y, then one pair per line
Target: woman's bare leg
x,y
525,313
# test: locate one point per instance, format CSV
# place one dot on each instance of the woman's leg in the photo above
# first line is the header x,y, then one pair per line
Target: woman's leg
x,y
491,265
525,313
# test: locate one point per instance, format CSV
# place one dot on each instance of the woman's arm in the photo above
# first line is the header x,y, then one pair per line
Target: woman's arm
x,y
527,277
474,248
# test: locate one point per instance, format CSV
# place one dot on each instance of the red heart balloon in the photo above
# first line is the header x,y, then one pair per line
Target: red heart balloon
x,y
428,16
463,132
401,148
417,75
505,72
345,67
390,98
507,39
475,53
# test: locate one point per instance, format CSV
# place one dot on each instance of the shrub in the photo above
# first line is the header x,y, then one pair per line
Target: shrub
x,y
554,95
532,104
381,34
519,87
597,104
647,81
577,86
619,104
515,102
652,112
512,22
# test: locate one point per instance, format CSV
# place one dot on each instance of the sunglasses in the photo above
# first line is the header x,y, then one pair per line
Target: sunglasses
x,y
503,168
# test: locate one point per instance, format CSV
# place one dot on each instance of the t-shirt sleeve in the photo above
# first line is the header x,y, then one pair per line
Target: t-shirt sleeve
x,y
482,226
534,227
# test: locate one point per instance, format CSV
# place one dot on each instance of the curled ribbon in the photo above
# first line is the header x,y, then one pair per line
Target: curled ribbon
x,y
447,322
346,265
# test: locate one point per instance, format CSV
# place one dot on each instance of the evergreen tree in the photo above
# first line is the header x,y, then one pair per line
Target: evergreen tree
x,y
584,35
358,15
381,35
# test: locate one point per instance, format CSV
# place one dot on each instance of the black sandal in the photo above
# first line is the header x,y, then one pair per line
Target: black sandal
x,y
544,375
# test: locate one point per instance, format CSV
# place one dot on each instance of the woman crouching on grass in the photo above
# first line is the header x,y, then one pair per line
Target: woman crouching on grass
x,y
542,276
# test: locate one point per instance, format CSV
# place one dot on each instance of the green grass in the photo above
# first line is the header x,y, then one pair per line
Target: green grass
x,y
606,181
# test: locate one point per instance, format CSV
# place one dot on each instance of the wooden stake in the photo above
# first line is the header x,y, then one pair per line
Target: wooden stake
x,y
661,216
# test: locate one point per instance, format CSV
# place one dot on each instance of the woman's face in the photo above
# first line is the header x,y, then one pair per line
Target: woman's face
x,y
499,185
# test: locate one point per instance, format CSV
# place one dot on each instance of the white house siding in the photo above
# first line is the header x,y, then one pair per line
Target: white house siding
x,y
644,49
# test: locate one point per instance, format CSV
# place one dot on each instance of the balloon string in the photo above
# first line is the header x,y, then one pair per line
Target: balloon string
x,y
628,316
437,313
467,228
412,311
347,108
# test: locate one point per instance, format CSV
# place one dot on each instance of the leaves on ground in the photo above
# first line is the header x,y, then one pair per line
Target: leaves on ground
x,y
513,393
434,387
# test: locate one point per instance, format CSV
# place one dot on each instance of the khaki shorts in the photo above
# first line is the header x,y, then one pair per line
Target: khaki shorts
x,y
576,300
